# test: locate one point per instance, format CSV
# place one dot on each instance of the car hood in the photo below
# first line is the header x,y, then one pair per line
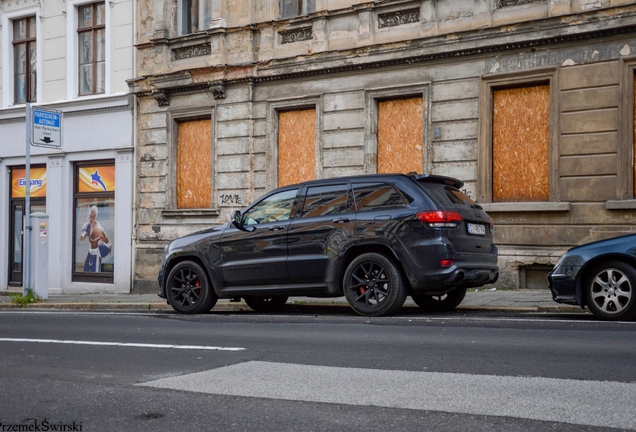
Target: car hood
x,y
624,244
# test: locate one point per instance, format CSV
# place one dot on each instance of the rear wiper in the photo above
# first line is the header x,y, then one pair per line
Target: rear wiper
x,y
476,206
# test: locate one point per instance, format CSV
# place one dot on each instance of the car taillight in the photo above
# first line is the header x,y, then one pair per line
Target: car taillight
x,y
440,219
492,224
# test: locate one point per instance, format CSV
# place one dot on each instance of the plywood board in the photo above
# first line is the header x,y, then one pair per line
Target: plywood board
x,y
194,164
296,146
400,136
520,148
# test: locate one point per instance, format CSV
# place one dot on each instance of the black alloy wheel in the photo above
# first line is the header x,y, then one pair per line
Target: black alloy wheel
x,y
266,304
610,293
440,303
374,286
188,289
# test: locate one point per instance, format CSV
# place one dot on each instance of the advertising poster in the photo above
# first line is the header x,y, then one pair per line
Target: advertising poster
x,y
38,183
95,227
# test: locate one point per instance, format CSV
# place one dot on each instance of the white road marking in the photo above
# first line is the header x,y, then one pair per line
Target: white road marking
x,y
595,403
122,344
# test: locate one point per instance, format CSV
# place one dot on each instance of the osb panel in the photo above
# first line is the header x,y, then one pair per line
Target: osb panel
x,y
400,136
296,146
194,164
521,121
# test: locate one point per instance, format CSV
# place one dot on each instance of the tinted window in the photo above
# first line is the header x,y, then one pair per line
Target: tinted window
x,y
274,208
458,197
371,196
326,200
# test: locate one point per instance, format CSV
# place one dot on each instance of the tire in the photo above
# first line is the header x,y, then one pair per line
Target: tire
x,y
374,286
609,291
444,303
266,304
188,289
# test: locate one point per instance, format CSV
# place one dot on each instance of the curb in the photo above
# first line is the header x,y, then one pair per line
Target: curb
x,y
238,307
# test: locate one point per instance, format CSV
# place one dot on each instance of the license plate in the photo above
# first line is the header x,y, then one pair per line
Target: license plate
x,y
476,229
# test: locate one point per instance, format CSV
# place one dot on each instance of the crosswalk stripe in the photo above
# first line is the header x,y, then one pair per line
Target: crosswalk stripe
x,y
122,344
594,403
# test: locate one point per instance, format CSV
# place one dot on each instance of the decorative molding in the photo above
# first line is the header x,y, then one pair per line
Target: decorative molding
x,y
13,120
398,18
196,213
505,3
191,51
161,96
94,111
494,49
296,35
217,89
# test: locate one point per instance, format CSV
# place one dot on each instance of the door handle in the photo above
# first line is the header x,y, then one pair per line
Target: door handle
x,y
280,227
342,220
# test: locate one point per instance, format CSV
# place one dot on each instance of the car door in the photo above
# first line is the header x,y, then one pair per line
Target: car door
x,y
320,230
256,253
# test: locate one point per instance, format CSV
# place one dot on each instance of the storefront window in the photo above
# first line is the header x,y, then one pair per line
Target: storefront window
x,y
94,223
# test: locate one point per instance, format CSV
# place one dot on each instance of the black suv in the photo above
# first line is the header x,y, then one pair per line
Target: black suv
x,y
374,239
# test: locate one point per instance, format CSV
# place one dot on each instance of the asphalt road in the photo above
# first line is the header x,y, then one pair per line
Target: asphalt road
x,y
162,371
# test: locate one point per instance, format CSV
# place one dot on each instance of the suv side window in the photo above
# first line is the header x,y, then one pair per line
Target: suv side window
x,y
274,208
327,200
373,196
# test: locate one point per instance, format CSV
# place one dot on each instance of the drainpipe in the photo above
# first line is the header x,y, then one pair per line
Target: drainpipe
x,y
134,142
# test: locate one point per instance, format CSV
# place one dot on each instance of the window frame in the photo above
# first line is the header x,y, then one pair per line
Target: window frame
x,y
72,50
93,29
273,110
301,8
172,131
6,23
184,24
28,42
487,85
372,98
77,276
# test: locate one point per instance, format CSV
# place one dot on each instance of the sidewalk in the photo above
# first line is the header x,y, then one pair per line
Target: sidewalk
x,y
483,300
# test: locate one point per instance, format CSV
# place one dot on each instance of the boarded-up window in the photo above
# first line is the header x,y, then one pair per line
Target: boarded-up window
x,y
296,146
194,164
520,144
400,136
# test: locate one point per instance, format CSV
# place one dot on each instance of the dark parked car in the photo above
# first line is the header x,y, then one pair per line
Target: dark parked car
x,y
374,239
600,275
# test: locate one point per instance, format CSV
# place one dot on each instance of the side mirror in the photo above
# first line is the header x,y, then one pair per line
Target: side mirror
x,y
236,219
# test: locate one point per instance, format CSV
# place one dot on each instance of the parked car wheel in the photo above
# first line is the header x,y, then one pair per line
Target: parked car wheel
x,y
266,304
188,289
373,285
610,291
443,303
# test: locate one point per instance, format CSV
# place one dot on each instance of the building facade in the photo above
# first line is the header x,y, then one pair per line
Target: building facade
x,y
530,102
72,56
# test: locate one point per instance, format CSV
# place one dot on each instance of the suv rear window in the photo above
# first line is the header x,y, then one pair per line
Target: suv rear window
x,y
372,196
326,200
446,195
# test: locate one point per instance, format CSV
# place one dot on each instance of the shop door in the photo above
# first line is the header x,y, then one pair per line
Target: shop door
x,y
17,235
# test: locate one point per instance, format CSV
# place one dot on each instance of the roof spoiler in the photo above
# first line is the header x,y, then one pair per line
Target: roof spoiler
x,y
451,181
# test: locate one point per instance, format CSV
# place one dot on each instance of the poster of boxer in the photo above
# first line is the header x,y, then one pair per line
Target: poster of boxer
x,y
94,220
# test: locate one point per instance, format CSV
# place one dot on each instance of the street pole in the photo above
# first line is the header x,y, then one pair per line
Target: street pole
x,y
27,207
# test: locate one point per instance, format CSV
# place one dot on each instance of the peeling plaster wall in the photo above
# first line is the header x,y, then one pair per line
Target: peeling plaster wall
x,y
262,75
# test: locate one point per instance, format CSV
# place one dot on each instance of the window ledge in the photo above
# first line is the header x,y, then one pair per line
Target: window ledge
x,y
629,204
194,213
526,207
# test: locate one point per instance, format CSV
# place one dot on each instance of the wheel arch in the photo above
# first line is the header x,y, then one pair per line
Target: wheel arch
x,y
584,273
181,258
357,250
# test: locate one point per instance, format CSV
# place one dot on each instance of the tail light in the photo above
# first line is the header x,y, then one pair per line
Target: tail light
x,y
440,219
492,224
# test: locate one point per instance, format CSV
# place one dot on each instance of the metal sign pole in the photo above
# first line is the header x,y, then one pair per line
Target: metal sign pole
x,y
26,282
